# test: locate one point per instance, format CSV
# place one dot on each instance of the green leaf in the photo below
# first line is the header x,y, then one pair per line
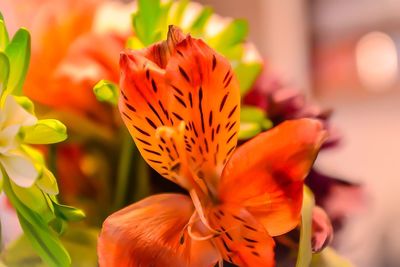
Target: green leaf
x,y
4,39
18,52
45,243
68,213
134,43
251,114
4,71
305,251
234,33
34,200
247,73
26,103
80,242
150,20
47,182
106,91
248,130
199,23
252,121
329,258
48,131
176,12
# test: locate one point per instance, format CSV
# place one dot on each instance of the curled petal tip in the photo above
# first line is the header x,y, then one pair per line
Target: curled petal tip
x,y
322,230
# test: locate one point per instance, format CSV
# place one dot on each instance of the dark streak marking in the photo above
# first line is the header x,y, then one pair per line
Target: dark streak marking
x,y
184,74
124,96
180,53
210,118
230,150
230,138
127,116
143,141
249,227
228,82
130,107
250,240
147,74
152,124
155,112
212,135
206,144
152,151
255,253
176,167
232,111
214,63
226,75
155,161
153,84
233,124
180,101
163,141
238,218
226,245
201,109
141,131
223,102
177,116
219,126
177,90
191,100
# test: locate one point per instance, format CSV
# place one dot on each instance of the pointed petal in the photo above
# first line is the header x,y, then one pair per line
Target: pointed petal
x,y
20,168
242,239
151,233
7,138
181,79
266,174
15,114
209,105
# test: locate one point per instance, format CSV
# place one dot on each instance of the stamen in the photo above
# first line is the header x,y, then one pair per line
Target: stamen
x,y
199,209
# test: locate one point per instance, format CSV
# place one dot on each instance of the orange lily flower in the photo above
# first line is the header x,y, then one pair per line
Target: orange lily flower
x,y
180,101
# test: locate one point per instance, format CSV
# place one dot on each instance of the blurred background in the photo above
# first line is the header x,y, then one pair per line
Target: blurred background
x,y
342,54
345,56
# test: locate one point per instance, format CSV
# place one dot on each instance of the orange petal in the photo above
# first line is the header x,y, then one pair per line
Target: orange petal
x,y
242,239
151,233
266,174
181,79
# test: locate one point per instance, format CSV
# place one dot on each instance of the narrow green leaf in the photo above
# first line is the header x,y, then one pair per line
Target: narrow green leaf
x,y
145,20
4,39
199,23
18,52
80,242
48,131
106,91
68,213
234,33
48,247
37,231
329,258
305,251
176,12
4,72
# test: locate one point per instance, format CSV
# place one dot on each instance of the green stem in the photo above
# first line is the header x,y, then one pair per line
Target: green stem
x,y
123,170
142,184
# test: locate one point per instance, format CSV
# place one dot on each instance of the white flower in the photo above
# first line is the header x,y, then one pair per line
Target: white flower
x,y
15,162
